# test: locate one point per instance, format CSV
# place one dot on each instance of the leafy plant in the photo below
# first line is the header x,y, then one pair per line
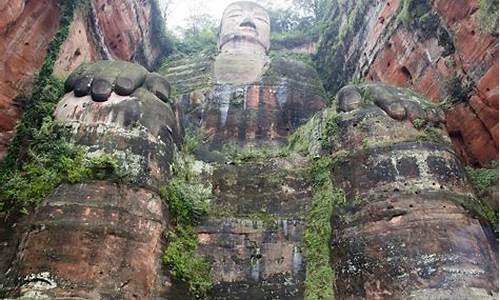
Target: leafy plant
x,y
187,200
482,178
103,166
330,127
49,160
183,264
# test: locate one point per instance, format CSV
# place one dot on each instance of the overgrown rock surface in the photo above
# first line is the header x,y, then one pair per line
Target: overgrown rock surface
x,y
445,50
126,30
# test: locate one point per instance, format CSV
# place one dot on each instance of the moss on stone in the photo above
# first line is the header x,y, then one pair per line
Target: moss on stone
x,y
330,128
50,160
319,274
482,178
487,16
404,15
237,154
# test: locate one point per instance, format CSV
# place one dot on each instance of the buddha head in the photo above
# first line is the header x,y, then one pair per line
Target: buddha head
x,y
244,22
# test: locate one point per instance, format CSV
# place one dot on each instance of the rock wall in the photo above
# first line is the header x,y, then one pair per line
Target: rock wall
x,y
441,49
126,30
263,112
408,226
26,28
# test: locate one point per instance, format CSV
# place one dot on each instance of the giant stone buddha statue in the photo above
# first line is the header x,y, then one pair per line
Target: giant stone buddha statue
x,y
402,234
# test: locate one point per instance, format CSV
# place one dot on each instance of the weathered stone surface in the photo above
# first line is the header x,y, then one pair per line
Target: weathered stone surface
x,y
469,135
404,232
441,40
26,28
94,241
78,48
254,260
274,186
253,236
140,130
124,30
264,112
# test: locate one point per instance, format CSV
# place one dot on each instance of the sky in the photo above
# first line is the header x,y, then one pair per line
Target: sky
x,y
180,9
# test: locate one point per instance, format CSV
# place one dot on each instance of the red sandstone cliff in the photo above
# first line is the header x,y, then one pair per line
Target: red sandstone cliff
x,y
441,51
26,28
113,29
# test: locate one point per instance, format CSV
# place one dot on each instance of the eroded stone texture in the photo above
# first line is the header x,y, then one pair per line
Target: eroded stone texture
x,y
139,129
95,240
124,30
254,232
78,48
404,232
439,41
100,240
254,260
263,112
26,28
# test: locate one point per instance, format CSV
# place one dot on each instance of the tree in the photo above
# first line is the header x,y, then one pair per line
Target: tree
x,y
314,8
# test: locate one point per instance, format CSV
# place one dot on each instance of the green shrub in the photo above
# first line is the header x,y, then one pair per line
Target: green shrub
x,y
487,16
183,264
48,160
103,166
482,178
187,200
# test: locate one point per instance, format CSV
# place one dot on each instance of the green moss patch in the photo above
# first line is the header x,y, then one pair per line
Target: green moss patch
x,y
319,274
483,179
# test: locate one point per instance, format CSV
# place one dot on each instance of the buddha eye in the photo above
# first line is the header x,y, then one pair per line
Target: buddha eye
x,y
261,19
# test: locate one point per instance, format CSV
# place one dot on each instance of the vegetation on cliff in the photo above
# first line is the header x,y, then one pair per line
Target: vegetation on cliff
x,y
487,16
187,200
39,157
484,180
319,274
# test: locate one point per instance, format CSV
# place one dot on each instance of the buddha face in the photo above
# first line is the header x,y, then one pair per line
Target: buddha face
x,y
245,21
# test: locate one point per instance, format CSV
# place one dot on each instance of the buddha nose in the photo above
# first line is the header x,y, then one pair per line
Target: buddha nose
x,y
248,22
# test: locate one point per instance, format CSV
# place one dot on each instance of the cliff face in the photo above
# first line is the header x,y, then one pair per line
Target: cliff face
x,y
26,28
442,49
122,30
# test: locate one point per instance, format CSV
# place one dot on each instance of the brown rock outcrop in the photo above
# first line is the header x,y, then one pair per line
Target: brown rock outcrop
x,y
125,30
26,28
406,230
92,241
439,49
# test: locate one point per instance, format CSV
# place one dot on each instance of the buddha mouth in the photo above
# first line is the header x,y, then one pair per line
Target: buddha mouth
x,y
247,24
